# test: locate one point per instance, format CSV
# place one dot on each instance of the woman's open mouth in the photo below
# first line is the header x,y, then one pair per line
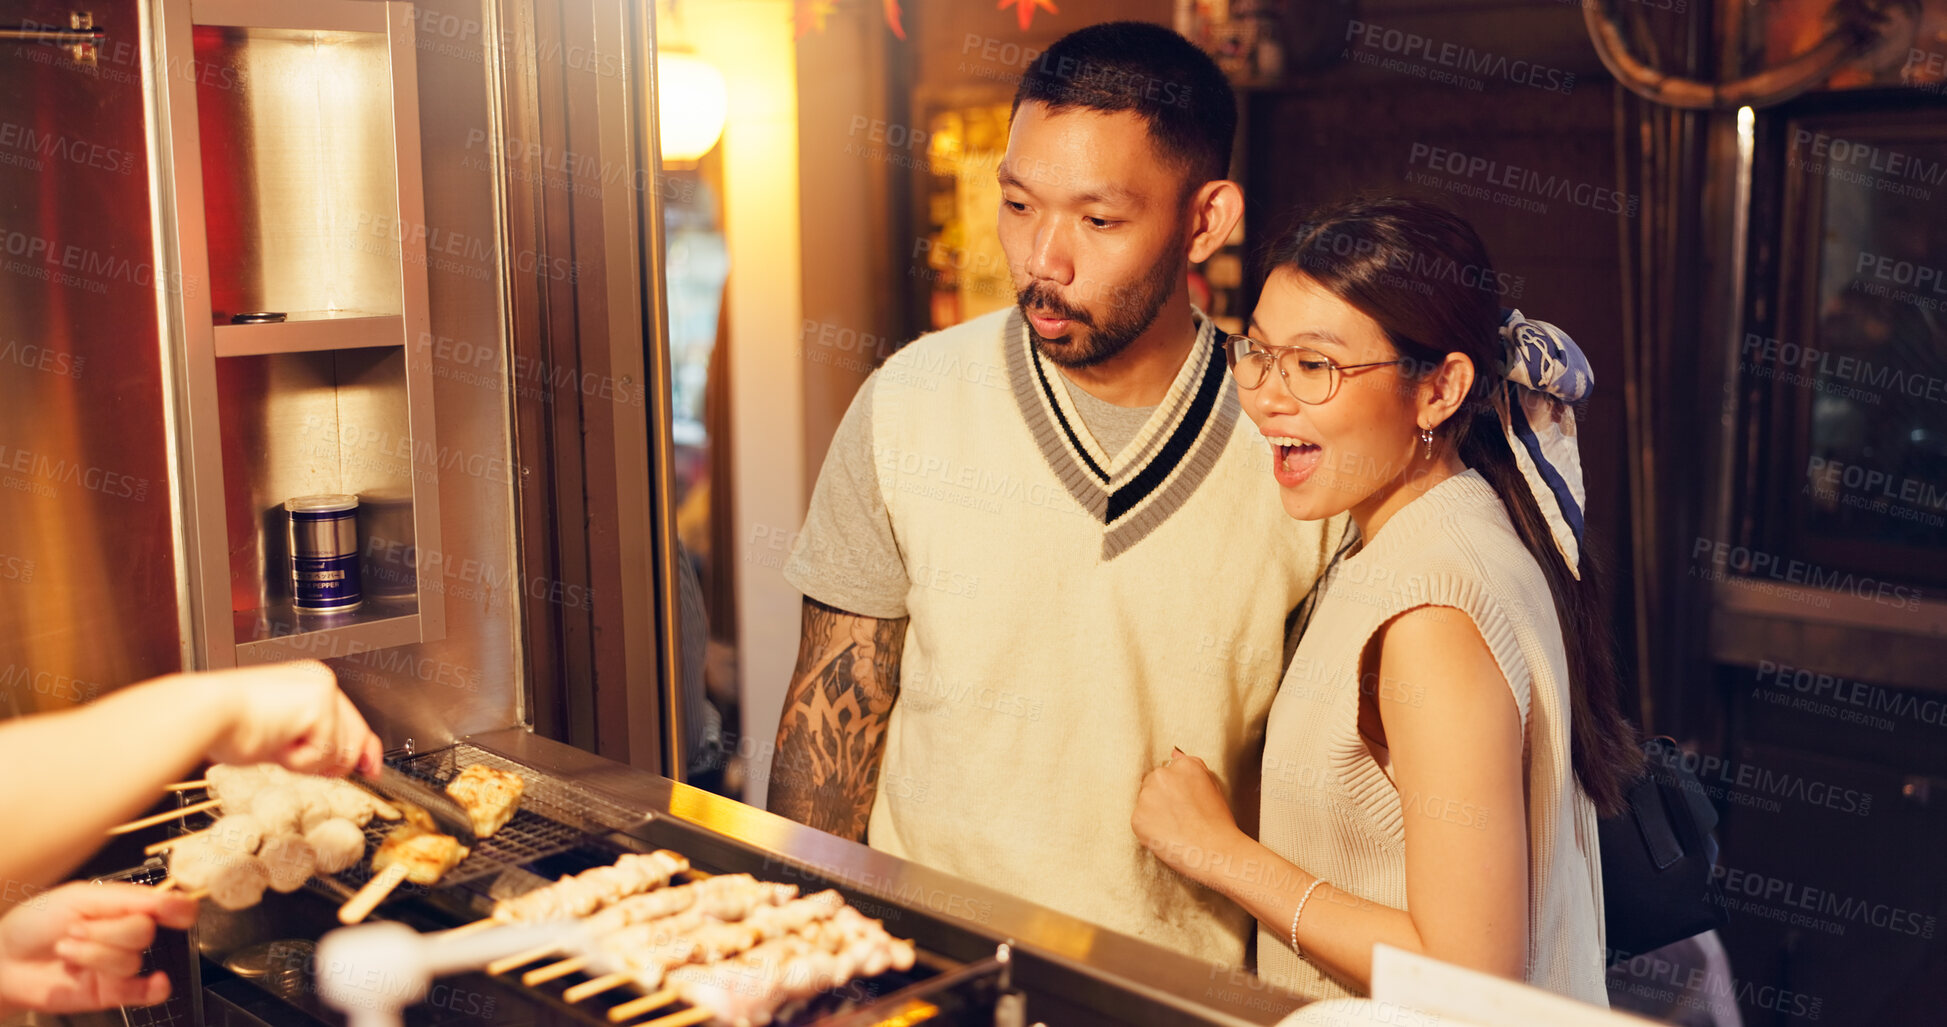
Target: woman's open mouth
x,y
1293,460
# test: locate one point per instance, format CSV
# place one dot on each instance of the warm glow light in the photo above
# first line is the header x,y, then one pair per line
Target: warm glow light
x,y
692,104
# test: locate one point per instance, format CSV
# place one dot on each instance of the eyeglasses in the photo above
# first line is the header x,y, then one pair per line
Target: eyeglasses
x,y
1309,376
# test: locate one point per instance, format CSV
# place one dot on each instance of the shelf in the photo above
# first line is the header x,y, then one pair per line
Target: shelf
x,y
279,633
311,332
311,16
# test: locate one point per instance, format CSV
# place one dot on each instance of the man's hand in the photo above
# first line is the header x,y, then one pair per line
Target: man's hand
x,y
79,947
293,714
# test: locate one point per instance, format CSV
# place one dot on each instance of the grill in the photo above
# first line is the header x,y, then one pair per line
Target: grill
x,y
559,829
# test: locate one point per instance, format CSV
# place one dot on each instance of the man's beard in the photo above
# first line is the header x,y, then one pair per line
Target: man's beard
x,y
1132,311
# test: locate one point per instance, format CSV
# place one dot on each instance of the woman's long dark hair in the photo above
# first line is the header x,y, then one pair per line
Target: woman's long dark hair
x,y
1423,274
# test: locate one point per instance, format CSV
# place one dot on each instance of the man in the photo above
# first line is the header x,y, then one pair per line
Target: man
x,y
1045,549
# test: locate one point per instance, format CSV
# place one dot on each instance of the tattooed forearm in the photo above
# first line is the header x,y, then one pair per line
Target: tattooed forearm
x,y
832,734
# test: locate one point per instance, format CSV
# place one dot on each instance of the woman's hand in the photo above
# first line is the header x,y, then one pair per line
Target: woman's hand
x,y
1182,817
79,947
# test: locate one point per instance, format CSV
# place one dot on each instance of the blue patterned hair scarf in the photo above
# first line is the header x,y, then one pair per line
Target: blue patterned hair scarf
x,y
1546,372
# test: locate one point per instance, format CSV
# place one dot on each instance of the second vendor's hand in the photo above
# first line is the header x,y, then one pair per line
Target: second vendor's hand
x,y
1182,816
293,714
79,947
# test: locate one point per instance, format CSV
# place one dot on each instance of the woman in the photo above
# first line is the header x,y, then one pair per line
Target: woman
x,y
1448,730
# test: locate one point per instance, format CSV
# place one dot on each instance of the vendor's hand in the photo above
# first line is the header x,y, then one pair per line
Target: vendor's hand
x,y
293,714
79,947
1182,817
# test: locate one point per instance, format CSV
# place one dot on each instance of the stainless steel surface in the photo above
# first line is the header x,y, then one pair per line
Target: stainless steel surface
x,y
1083,972
291,402
582,415
661,454
83,457
297,146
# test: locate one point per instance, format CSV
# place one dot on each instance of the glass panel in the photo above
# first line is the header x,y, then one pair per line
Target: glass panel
x,y
1876,370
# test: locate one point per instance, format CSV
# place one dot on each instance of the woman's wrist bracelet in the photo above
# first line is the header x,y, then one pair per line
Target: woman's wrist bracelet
x,y
1307,897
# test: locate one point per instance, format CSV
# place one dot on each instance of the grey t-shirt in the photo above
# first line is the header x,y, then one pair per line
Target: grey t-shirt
x,y
846,556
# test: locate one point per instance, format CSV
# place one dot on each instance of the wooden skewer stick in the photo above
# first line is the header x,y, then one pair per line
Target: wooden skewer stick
x,y
586,989
168,884
163,818
693,1015
518,959
170,843
473,928
199,894
183,786
554,971
632,1009
368,898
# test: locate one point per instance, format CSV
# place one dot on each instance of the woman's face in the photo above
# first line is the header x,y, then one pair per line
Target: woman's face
x,y
1351,450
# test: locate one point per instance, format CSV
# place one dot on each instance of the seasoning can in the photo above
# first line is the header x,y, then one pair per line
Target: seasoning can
x,y
324,553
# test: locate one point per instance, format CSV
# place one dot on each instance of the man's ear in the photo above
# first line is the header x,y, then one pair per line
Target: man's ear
x,y
1215,209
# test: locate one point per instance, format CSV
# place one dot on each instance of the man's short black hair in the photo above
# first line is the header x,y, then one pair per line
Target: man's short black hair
x,y
1135,66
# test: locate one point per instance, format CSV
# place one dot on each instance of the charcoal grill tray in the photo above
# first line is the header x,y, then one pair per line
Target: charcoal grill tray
x,y
566,830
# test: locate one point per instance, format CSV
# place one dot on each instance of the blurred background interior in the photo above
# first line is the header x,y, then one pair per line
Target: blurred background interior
x,y
1738,208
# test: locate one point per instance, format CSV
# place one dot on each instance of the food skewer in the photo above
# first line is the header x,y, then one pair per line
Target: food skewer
x,y
520,959
552,971
360,905
237,832
636,1007
727,902
642,908
183,786
163,818
595,986
583,893
653,949
407,854
752,987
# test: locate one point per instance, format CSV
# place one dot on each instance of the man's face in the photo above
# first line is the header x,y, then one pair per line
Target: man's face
x,y
1093,226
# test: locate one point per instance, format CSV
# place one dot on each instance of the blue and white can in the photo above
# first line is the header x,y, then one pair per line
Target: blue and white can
x,y
324,553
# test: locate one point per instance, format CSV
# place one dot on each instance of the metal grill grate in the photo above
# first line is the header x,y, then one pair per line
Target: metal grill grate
x,y
552,819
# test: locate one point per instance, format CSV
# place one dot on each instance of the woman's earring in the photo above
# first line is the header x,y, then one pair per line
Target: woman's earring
x,y
1426,439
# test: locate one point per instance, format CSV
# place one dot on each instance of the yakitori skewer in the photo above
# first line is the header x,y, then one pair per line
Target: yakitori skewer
x,y
163,818
752,987
652,950
719,893
723,899
238,832
407,854
583,893
183,786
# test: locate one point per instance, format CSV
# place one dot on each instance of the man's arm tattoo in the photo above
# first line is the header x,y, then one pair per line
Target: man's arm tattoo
x,y
832,734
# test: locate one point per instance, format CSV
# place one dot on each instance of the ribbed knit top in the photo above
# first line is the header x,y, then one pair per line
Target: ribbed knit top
x,y
1330,809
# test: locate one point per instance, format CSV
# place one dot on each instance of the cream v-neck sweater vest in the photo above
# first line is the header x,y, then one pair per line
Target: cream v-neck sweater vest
x,y
1074,616
1329,808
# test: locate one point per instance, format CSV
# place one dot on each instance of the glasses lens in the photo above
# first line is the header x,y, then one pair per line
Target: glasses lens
x,y
1248,361
1309,373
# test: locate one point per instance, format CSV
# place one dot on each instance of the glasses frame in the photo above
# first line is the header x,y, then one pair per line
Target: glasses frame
x,y
1277,355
